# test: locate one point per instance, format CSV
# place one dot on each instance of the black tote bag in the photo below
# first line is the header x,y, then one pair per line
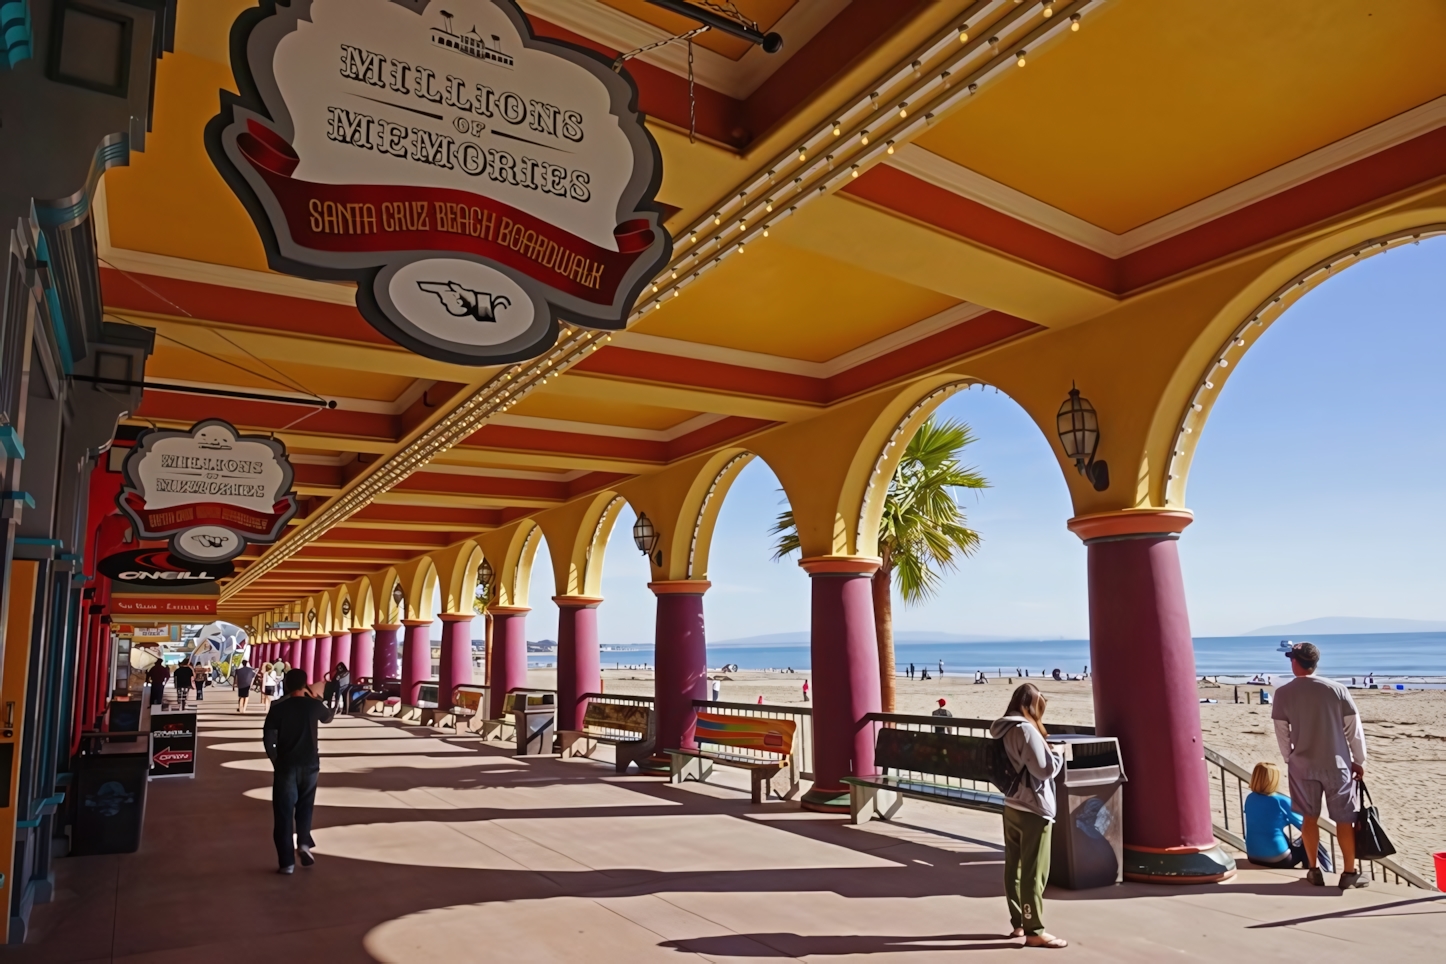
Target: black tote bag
x,y
1371,840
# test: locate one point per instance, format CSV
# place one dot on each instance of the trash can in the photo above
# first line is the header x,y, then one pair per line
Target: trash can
x,y
1088,845
110,797
533,723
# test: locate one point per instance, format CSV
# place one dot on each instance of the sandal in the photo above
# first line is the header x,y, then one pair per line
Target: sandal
x,y
1045,940
1017,932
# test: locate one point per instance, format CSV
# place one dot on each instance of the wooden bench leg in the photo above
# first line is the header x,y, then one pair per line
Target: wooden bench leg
x,y
861,804
887,803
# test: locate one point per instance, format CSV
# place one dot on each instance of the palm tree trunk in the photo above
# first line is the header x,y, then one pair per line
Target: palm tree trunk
x,y
884,629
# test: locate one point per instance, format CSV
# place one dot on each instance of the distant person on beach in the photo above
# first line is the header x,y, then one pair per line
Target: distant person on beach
x,y
717,688
805,691
941,669
942,711
1028,813
1268,815
1324,745
911,671
925,674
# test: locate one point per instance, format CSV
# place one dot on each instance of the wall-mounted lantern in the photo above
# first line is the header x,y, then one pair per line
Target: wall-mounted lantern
x,y
400,598
482,594
646,538
1079,433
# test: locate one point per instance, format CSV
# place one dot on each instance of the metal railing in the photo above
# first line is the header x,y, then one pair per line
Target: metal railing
x,y
1230,782
608,733
953,725
802,717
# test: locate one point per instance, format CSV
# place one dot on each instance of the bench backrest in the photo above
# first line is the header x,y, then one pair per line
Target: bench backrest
x,y
942,754
746,732
468,699
617,716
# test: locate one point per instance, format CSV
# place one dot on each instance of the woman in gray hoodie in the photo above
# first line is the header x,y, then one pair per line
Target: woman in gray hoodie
x,y
1028,813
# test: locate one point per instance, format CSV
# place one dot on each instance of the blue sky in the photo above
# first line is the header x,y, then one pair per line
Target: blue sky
x,y
1316,491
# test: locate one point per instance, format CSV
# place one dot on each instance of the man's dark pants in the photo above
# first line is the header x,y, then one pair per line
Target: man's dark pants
x,y
293,796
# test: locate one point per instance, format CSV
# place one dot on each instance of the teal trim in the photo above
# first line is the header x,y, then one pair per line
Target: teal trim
x,y
63,779
32,541
68,556
28,824
11,442
57,318
19,39
48,804
24,497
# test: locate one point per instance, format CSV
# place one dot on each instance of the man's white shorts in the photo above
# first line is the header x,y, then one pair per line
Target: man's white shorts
x,y
1339,790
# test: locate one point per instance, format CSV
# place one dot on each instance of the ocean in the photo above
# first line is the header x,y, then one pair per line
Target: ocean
x,y
1383,654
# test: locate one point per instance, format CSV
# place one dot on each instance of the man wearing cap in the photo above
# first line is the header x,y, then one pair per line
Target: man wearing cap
x,y
941,711
1324,746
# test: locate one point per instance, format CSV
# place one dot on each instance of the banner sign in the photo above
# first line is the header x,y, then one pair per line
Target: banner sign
x,y
173,744
163,606
208,490
158,568
477,182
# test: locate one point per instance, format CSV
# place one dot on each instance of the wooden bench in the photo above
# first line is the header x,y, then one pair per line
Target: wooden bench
x,y
384,697
762,746
628,727
918,757
467,703
505,727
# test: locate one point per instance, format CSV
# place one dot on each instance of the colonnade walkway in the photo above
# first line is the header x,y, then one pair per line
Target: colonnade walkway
x,y
437,848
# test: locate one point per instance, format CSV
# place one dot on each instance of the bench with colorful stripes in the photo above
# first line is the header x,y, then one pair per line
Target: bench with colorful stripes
x,y
762,746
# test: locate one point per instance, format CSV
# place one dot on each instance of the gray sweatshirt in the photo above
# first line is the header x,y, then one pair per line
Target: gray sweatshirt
x,y
1026,748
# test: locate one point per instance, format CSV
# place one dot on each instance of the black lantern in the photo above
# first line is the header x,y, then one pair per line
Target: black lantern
x,y
646,538
400,598
346,607
311,618
1079,433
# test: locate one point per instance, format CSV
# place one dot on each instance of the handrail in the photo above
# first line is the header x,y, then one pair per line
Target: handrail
x,y
755,707
1229,767
619,698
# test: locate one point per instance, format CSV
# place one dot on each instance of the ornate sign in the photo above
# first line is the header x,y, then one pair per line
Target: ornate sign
x,y
158,568
209,491
478,183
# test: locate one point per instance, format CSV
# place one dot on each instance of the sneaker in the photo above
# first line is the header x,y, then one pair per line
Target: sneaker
x,y
305,854
1315,877
1353,881
289,869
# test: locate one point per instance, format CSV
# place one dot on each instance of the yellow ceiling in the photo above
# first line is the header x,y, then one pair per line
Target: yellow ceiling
x,y
1154,105
173,361
781,300
542,404
765,13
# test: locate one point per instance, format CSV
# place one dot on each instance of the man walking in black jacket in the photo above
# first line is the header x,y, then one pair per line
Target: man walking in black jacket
x,y
289,734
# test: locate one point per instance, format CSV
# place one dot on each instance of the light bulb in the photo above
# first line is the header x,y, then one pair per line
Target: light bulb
x,y
802,155
837,128
740,247
1048,11
854,171
769,206
904,109
1074,22
891,147
693,239
964,33
717,218
655,286
864,138
765,231
742,224
1019,59
677,292
675,274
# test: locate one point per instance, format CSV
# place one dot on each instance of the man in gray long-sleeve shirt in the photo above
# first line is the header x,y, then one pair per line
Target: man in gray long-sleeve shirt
x,y
1324,746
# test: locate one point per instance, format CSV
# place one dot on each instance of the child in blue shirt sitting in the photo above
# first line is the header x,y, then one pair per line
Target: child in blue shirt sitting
x,y
1267,817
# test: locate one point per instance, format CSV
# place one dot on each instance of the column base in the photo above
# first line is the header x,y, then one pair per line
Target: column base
x,y
826,801
1180,866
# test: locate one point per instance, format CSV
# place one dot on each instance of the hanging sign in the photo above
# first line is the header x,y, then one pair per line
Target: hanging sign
x,y
208,490
163,606
157,568
478,183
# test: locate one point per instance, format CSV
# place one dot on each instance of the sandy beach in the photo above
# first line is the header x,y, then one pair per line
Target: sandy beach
x,y
1405,734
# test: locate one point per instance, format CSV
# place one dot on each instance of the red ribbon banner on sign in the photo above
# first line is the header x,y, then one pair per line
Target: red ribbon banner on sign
x,y
181,517
387,217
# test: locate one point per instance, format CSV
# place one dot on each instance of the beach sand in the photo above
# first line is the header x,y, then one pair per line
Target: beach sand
x,y
1405,734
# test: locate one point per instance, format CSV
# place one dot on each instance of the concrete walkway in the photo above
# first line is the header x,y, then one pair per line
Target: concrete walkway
x,y
433,848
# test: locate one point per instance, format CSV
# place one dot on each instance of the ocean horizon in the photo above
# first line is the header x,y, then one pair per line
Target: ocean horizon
x,y
1347,654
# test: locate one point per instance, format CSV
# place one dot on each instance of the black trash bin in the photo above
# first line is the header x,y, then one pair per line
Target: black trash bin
x,y
110,796
1088,846
533,722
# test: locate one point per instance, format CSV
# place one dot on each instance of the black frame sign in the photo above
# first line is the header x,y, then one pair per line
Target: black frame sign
x,y
158,569
477,182
173,744
210,490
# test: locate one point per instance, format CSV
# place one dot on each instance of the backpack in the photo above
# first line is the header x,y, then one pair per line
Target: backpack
x,y
1002,771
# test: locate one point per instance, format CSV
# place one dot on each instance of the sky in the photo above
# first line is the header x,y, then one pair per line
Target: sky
x,y
1316,490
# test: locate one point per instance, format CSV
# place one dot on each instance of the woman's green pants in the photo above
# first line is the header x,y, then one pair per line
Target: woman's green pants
x,y
1026,868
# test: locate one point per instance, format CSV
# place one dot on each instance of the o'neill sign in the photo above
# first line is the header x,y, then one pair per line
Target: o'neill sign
x,y
209,491
478,183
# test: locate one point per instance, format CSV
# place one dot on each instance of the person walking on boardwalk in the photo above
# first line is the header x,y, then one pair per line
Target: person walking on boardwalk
x,y
1324,745
290,737
184,676
1028,813
242,677
157,676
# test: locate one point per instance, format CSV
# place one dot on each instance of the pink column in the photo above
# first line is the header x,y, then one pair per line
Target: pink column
x,y
1143,661
508,669
385,664
845,654
293,653
416,658
306,659
681,675
362,644
456,665
341,650
579,664
322,662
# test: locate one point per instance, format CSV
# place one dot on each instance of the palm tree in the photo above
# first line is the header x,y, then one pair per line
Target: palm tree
x,y
921,534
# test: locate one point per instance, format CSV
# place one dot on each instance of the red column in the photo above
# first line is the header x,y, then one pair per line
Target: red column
x,y
680,652
385,664
341,649
456,665
1143,661
307,659
416,658
322,662
361,653
291,653
579,663
508,669
845,655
